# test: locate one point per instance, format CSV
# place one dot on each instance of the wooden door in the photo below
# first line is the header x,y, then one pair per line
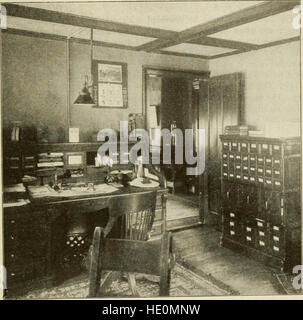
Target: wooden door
x,y
221,105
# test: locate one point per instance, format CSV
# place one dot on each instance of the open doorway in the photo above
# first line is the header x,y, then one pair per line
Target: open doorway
x,y
172,101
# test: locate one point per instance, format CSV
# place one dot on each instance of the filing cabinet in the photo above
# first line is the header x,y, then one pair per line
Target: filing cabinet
x,y
261,188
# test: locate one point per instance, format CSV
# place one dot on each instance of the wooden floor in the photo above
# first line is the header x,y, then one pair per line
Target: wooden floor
x,y
182,211
199,249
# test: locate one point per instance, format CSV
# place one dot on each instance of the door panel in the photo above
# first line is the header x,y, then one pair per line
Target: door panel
x,y
225,108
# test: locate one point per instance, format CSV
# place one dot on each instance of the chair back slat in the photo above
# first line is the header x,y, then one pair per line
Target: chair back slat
x,y
137,211
149,257
131,256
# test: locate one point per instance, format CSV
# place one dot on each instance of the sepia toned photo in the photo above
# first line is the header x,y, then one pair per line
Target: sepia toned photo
x,y
151,149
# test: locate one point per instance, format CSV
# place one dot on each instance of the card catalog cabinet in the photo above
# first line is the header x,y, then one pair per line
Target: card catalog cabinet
x,y
260,185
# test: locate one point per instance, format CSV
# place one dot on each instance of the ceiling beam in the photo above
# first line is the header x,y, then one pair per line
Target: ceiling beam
x,y
86,22
95,42
261,46
222,43
57,17
232,20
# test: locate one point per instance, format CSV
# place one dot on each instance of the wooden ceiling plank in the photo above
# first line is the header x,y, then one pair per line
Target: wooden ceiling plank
x,y
95,43
262,46
222,43
86,22
180,54
235,19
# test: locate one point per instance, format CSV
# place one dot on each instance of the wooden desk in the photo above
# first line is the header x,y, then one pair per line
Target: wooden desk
x,y
38,237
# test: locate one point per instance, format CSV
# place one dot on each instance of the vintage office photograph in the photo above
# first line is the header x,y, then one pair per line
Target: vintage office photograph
x,y
150,149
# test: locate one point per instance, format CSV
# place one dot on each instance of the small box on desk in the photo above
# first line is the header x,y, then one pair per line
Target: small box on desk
x,y
96,174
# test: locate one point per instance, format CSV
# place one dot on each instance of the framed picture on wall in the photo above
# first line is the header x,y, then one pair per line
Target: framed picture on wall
x,y
110,84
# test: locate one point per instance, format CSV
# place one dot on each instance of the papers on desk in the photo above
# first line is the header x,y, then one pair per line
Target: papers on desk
x,y
18,203
139,183
46,191
19,187
121,172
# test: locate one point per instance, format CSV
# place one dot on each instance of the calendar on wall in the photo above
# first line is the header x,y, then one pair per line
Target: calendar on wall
x,y
110,84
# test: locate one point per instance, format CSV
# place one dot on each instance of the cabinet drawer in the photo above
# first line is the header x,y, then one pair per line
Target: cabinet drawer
x,y
225,146
249,233
268,161
237,169
277,173
277,163
268,182
265,148
277,184
245,160
268,172
234,146
225,157
252,171
253,147
260,161
238,158
232,228
14,274
244,147
252,160
245,170
260,171
276,150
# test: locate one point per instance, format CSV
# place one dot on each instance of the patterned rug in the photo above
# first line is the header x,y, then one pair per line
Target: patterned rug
x,y
284,284
184,283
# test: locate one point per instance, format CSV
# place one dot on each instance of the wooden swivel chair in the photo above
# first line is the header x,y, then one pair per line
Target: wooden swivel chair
x,y
137,212
149,257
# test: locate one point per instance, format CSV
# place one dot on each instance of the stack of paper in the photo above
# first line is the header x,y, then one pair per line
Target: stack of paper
x,y
53,159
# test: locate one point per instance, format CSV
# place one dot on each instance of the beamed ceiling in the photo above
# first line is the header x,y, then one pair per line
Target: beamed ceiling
x,y
207,29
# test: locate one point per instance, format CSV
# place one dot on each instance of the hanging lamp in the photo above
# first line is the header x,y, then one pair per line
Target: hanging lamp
x,y
84,96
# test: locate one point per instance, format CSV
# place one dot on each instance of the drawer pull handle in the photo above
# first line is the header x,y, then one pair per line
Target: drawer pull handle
x,y
12,237
266,204
227,194
13,221
247,199
12,255
13,274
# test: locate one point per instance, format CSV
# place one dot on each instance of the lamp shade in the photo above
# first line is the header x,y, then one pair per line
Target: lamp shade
x,y
84,97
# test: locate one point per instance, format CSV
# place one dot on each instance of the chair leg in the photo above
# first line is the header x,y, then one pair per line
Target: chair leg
x,y
108,279
94,273
132,283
